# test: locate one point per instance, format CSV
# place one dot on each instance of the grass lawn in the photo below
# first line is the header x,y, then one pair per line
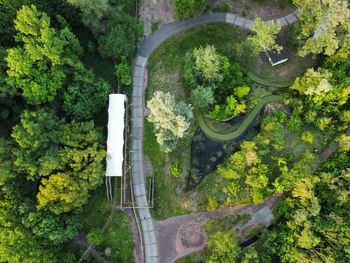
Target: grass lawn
x,y
166,63
166,199
117,235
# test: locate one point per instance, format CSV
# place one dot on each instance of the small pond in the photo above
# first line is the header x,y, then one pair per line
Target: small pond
x,y
207,154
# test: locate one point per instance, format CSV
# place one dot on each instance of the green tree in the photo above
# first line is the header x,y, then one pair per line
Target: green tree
x,y
187,8
223,247
324,26
209,63
83,153
344,143
314,84
202,97
36,136
37,67
45,225
17,243
86,95
120,39
95,237
92,10
6,170
123,72
265,35
171,120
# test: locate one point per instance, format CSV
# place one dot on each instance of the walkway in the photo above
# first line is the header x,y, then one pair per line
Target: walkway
x,y
147,46
249,118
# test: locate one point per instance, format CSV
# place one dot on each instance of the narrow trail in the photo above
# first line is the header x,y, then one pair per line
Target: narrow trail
x,y
146,47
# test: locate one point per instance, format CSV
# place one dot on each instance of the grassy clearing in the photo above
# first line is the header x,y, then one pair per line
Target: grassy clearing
x,y
117,235
166,199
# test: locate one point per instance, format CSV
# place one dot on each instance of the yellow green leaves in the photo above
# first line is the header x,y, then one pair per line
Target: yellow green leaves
x,y
265,36
61,193
208,62
325,26
36,65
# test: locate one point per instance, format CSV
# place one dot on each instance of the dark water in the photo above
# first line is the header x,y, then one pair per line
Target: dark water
x,y
207,154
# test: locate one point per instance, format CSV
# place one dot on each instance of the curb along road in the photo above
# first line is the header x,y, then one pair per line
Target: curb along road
x,y
146,47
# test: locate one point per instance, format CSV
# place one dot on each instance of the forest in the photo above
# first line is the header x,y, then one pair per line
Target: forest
x,y
53,97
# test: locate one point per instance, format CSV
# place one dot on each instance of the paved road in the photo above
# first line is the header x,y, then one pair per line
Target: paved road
x,y
147,46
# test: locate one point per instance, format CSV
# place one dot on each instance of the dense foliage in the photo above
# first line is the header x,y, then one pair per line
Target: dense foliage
x,y
51,149
324,26
188,8
171,119
212,79
265,35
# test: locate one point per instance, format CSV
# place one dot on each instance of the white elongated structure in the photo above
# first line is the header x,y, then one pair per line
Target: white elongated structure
x,y
115,138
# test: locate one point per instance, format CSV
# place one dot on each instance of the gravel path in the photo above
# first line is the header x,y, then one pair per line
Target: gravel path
x,y
147,46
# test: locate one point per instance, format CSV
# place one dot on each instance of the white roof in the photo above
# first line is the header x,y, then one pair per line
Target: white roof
x,y
115,138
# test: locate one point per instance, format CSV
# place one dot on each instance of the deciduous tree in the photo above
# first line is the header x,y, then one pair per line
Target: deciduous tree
x,y
37,66
265,35
171,120
325,26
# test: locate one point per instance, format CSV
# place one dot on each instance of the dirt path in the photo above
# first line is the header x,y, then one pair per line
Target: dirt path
x,y
174,243
135,236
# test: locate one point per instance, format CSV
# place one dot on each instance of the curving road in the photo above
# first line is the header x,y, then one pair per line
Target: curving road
x,y
146,47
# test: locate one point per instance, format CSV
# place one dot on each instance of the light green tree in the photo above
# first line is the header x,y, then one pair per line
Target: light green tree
x,y
344,142
325,26
171,120
223,247
209,63
265,35
314,84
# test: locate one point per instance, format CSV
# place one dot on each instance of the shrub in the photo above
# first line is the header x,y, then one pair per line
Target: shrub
x,y
175,170
187,8
95,237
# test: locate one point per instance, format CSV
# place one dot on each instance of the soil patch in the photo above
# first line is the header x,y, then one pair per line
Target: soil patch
x,y
270,9
191,235
155,13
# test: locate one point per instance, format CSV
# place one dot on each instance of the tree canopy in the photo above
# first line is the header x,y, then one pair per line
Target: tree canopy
x,y
37,66
324,26
265,35
171,120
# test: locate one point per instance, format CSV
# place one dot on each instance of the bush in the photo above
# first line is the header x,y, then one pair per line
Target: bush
x,y
188,8
175,170
95,237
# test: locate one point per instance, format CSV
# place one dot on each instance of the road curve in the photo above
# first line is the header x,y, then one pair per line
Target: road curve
x,y
146,47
